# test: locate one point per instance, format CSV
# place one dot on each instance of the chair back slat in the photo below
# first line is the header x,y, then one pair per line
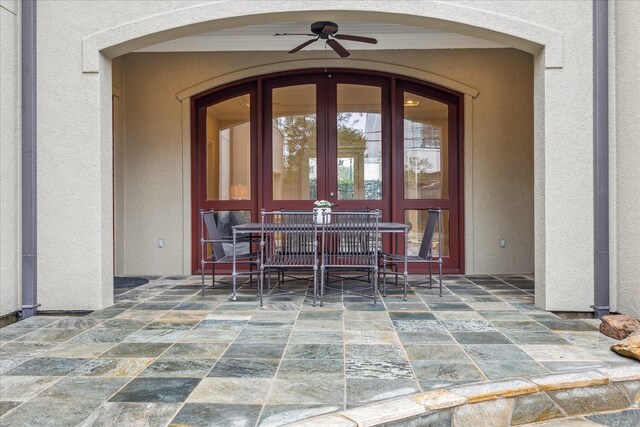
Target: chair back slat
x,y
213,234
429,231
350,239
289,239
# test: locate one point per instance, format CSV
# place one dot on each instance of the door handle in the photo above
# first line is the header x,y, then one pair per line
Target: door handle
x,y
332,194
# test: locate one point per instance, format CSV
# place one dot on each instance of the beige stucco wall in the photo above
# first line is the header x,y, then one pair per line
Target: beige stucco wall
x,y
75,87
10,169
501,149
625,130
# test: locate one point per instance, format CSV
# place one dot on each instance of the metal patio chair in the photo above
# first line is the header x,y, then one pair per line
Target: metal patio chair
x,y
425,254
288,242
350,242
215,244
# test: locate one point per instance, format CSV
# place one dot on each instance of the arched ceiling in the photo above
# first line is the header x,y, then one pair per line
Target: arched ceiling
x,y
261,38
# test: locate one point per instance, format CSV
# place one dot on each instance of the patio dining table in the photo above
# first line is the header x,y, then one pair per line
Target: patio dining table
x,y
396,228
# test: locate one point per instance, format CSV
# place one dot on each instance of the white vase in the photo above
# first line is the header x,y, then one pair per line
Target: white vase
x,y
320,217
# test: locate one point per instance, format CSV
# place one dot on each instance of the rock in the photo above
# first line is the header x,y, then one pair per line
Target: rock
x,y
619,326
629,347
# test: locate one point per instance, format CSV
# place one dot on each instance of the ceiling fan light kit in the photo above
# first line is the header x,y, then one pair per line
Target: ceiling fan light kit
x,y
328,31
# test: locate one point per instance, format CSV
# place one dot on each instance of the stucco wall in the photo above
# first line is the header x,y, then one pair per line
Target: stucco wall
x,y
626,129
502,149
10,201
74,176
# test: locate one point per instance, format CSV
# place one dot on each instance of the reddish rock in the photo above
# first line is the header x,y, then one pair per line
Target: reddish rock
x,y
629,347
619,326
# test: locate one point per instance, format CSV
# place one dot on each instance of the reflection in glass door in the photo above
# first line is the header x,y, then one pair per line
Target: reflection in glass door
x,y
294,143
359,140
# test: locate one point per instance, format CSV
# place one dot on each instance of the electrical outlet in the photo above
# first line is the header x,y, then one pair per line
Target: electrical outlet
x,y
503,243
161,243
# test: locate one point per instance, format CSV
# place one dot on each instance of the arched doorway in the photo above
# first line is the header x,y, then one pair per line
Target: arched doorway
x,y
356,138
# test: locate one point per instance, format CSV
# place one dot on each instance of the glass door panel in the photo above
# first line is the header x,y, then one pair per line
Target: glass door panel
x,y
359,142
426,148
417,219
228,149
294,143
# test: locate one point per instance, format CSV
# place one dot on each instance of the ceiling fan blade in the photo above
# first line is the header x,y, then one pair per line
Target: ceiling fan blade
x,y
356,38
329,29
338,48
302,46
294,34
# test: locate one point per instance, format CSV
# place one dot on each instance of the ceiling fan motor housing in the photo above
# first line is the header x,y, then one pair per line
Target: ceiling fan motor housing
x,y
318,27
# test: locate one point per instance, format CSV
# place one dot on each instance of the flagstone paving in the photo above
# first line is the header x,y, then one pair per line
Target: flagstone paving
x,y
165,355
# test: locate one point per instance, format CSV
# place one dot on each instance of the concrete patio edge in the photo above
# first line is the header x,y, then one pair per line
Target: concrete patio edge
x,y
564,394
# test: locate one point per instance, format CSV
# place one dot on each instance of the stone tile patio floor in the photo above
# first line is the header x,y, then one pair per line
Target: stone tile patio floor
x,y
162,354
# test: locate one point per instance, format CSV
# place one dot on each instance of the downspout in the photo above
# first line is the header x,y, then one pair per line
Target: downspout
x,y
601,156
29,161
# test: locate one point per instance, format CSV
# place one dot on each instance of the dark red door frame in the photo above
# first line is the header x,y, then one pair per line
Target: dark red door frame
x,y
392,87
454,263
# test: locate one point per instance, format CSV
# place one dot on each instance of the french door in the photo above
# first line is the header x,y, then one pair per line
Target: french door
x,y
325,139
359,140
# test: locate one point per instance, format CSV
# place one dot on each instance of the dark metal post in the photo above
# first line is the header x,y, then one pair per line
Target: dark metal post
x,y
29,160
601,156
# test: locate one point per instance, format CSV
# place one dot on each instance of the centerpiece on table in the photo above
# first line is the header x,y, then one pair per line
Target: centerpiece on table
x,y
320,206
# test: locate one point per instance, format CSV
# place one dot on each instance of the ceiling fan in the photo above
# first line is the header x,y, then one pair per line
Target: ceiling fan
x,y
327,30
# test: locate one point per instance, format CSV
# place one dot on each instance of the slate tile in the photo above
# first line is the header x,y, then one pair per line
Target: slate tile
x,y
497,369
207,414
245,368
196,350
74,323
295,369
81,389
495,352
101,334
167,367
43,414
526,337
481,338
159,390
7,406
365,391
254,351
427,337
47,366
248,391
448,306
436,352
468,326
446,371
309,391
381,369
21,389
106,367
132,414
314,351
418,326
24,349
568,325
278,415
134,349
